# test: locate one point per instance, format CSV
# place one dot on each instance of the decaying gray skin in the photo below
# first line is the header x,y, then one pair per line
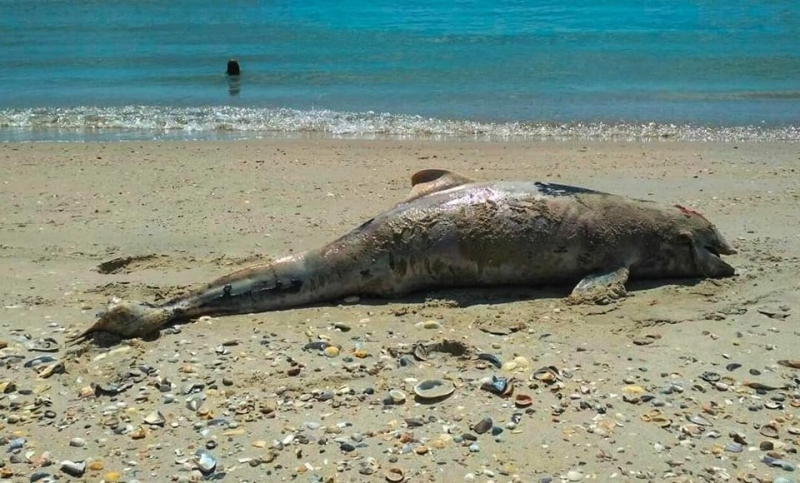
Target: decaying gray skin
x,y
454,232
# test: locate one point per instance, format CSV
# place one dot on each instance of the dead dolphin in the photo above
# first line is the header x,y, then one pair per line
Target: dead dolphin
x,y
454,232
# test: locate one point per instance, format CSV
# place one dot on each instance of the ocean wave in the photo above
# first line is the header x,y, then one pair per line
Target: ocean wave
x,y
225,122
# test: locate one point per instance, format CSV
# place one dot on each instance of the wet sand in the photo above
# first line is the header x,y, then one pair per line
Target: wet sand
x,y
681,381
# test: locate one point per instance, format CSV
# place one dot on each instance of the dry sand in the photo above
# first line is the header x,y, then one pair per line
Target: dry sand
x,y
631,374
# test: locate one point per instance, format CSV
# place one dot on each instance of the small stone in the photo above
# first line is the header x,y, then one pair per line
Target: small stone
x,y
483,425
331,351
77,442
574,475
76,469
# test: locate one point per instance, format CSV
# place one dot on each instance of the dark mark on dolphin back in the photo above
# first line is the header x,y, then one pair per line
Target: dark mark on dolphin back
x,y
552,189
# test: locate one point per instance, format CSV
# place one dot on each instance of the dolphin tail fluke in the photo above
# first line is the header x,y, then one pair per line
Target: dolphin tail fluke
x,y
127,319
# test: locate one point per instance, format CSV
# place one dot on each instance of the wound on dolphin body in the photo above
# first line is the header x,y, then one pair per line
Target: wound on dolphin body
x,y
689,211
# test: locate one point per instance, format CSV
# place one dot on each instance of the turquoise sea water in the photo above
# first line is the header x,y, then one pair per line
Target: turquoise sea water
x,y
134,69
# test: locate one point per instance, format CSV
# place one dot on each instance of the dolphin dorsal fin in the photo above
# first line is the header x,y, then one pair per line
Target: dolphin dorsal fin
x,y
430,181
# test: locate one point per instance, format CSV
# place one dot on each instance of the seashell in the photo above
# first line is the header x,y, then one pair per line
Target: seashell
x,y
111,389
711,377
793,363
547,375
769,430
491,358
420,352
483,425
522,362
397,396
75,469
699,420
773,405
37,361
650,415
204,461
316,345
523,400
193,387
46,344
395,475
431,389
49,370
194,403
360,353
155,419
732,366
499,385
759,386
661,421
692,429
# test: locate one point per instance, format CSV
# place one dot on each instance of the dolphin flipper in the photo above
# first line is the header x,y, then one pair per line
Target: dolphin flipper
x,y
600,288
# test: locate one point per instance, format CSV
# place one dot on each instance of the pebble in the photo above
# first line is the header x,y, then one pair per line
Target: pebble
x,y
483,425
76,469
574,475
331,351
77,442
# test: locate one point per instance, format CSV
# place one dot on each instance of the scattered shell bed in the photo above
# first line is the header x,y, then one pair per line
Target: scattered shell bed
x,y
353,401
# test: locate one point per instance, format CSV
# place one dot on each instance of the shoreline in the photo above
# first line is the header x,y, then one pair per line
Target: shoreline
x,y
633,397
221,123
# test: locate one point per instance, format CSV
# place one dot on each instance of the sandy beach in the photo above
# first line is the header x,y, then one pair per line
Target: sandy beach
x,y
680,381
